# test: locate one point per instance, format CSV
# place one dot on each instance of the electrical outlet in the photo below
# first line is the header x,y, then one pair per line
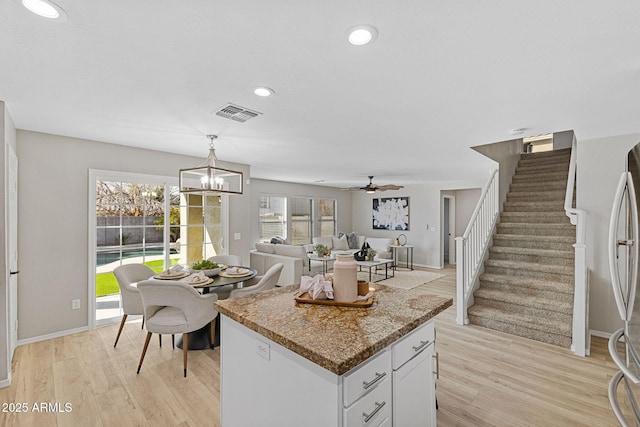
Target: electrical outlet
x,y
75,304
237,236
263,349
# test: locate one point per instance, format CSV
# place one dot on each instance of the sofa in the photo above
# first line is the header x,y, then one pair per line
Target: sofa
x,y
295,257
352,243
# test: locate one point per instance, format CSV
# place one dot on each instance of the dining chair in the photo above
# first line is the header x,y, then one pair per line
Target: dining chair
x,y
229,260
172,307
260,283
126,275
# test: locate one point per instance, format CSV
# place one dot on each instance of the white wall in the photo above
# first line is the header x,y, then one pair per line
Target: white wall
x,y
263,186
53,223
600,163
425,212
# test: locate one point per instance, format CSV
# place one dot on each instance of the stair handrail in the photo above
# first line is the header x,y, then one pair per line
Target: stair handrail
x,y
472,246
576,216
580,328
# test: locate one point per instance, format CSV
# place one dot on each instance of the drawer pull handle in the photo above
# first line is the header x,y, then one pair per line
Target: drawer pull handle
x,y
379,376
367,417
422,345
437,372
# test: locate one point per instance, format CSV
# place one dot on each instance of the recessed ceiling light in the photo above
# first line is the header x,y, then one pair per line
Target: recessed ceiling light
x,y
46,9
263,91
362,34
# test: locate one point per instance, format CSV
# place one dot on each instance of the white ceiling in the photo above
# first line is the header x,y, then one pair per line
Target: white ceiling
x,y
440,78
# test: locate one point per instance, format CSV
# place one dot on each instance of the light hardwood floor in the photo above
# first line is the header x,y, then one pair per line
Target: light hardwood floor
x,y
486,379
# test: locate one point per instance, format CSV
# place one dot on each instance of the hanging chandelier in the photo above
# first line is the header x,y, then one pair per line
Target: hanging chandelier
x,y
210,178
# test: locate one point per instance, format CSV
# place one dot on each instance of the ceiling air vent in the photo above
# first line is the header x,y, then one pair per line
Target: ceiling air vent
x,y
237,113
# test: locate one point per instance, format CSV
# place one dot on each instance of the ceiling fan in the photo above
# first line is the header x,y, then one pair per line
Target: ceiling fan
x,y
372,188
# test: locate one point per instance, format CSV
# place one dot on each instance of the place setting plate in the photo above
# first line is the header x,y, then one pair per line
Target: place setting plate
x,y
242,272
204,282
172,276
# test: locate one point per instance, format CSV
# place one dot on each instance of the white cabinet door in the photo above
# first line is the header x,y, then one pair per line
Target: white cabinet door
x,y
414,402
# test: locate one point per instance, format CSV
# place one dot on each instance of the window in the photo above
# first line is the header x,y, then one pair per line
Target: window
x,y
326,217
273,217
301,225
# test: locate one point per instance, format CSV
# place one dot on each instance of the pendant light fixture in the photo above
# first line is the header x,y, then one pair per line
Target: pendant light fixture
x,y
209,177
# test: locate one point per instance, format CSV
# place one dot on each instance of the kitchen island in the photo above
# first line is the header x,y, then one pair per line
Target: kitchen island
x,y
285,363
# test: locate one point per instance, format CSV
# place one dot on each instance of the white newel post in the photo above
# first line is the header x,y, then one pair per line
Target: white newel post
x,y
461,303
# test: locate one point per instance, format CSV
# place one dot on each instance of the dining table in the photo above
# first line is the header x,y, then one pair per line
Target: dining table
x,y
201,338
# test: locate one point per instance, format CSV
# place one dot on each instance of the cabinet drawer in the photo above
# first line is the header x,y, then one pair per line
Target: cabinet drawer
x,y
412,344
374,409
366,377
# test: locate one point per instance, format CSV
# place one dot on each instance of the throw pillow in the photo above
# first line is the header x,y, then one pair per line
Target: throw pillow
x,y
340,243
277,240
352,239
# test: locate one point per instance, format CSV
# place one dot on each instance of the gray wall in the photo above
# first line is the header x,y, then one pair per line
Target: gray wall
x,y
53,229
466,201
600,163
425,217
507,154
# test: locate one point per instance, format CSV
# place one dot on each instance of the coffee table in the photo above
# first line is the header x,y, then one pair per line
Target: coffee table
x,y
324,259
378,263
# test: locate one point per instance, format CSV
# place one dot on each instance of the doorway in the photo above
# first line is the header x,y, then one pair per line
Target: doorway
x,y
448,249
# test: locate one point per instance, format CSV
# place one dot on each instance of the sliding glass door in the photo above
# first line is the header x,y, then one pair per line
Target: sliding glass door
x,y
145,219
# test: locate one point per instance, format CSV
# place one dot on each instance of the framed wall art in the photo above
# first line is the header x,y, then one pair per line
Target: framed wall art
x,y
391,213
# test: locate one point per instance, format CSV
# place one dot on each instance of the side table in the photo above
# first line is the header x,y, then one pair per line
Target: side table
x,y
409,252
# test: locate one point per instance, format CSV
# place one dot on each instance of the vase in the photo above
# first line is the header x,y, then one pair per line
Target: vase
x,y
345,280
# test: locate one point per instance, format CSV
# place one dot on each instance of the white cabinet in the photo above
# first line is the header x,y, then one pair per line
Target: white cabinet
x,y
367,393
413,384
263,383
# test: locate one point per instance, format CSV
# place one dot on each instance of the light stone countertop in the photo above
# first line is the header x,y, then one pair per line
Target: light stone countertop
x,y
336,338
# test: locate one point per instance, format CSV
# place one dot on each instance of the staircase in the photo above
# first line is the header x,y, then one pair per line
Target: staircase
x,y
527,285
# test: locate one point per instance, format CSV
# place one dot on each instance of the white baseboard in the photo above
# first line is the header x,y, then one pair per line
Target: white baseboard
x,y
51,336
600,334
5,383
437,267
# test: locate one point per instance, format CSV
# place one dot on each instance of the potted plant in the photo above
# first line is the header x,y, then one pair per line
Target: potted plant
x,y
371,253
209,268
322,250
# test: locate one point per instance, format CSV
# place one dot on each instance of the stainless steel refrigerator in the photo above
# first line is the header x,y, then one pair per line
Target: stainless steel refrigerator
x,y
624,250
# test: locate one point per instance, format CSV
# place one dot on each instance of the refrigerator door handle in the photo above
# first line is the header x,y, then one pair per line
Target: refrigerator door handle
x,y
633,262
618,291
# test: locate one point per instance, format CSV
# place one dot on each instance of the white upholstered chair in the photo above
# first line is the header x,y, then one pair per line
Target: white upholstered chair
x,y
131,300
228,260
260,283
172,307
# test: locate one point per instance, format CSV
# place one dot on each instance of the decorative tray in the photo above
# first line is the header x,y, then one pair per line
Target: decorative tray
x,y
305,298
